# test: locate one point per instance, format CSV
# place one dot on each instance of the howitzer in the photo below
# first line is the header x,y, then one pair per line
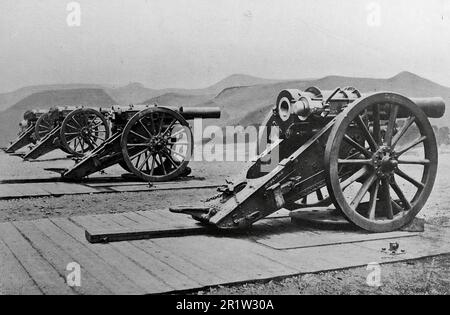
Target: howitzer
x,y
154,143
357,147
26,135
75,130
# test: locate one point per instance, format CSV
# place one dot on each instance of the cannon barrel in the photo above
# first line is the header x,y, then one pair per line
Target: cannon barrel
x,y
433,107
200,112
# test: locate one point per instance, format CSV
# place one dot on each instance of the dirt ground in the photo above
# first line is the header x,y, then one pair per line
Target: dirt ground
x,y
425,276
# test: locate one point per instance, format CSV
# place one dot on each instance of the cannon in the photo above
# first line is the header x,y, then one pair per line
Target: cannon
x,y
74,130
373,156
26,134
153,143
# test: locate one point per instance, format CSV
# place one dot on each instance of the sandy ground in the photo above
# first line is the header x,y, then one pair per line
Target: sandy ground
x,y
426,276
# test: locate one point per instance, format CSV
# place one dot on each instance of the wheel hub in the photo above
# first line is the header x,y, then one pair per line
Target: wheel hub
x,y
157,144
385,162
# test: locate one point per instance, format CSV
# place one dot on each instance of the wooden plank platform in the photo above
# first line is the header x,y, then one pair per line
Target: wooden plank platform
x,y
34,254
58,188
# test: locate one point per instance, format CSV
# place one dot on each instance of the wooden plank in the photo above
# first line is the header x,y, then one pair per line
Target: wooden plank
x,y
100,235
203,277
168,218
226,259
41,271
204,259
331,257
305,238
59,258
14,279
22,190
172,218
165,272
120,219
248,253
139,218
60,188
159,269
414,247
8,191
114,280
118,184
142,280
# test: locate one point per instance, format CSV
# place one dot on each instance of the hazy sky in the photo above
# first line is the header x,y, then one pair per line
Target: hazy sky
x,y
193,43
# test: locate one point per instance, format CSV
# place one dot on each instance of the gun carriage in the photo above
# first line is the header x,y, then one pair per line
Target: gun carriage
x,y
26,134
153,143
75,130
356,148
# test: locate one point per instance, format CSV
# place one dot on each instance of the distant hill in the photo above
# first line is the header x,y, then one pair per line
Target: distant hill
x,y
134,92
10,118
138,93
9,99
243,99
405,83
178,99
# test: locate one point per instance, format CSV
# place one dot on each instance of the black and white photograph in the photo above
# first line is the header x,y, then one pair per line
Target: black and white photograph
x,y
227,155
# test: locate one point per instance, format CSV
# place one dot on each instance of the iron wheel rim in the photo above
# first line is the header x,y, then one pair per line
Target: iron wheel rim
x,y
391,160
154,128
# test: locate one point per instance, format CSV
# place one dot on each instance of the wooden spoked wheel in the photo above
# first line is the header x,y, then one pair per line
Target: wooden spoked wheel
x,y
157,144
83,130
44,125
384,180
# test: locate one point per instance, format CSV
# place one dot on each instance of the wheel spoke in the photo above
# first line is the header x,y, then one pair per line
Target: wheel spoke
x,y
362,191
386,198
409,179
357,175
319,195
421,161
137,154
170,159
153,165
82,145
169,127
400,194
177,153
139,135
373,200
79,125
144,162
93,142
73,127
402,131
357,146
162,163
97,125
355,161
376,124
393,111
145,128
362,125
161,122
411,145
177,133
137,144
